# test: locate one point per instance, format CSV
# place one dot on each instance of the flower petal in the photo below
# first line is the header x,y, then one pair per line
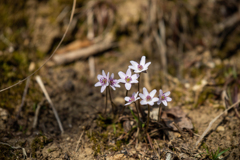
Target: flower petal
x,y
134,81
117,85
135,95
133,68
135,76
127,103
108,75
147,64
153,92
142,95
99,77
121,75
112,75
134,64
168,99
159,102
151,103
103,88
129,73
98,84
143,102
137,71
103,73
121,81
127,99
164,102
155,99
113,88
143,59
167,93
160,93
128,86
145,92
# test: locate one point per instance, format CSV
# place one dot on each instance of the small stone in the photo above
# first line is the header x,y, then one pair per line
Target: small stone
x,y
220,129
177,134
3,114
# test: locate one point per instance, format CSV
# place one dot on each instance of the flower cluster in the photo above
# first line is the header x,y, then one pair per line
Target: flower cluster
x,y
105,80
147,98
129,79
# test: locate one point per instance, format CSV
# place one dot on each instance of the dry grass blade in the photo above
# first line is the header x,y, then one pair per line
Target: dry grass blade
x,y
36,116
38,79
211,123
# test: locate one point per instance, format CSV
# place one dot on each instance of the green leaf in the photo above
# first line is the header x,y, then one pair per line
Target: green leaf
x,y
219,154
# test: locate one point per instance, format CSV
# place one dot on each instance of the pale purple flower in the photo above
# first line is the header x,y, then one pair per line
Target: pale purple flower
x,y
103,81
164,97
128,78
148,98
131,99
142,67
113,82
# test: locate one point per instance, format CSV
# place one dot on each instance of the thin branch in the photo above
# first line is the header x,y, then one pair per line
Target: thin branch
x,y
211,123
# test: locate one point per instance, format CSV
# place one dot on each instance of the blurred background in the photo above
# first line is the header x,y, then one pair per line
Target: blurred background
x,y
182,38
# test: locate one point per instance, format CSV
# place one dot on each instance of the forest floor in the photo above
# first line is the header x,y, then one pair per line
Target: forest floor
x,y
205,86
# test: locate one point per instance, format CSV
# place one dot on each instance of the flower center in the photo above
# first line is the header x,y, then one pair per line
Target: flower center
x,y
128,79
103,81
132,99
149,98
140,67
163,97
112,82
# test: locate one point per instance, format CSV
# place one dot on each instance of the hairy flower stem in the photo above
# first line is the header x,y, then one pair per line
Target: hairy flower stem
x,y
113,105
159,113
105,112
139,124
148,118
124,106
139,106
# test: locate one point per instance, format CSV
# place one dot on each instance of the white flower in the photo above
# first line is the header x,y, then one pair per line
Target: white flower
x,y
103,81
142,67
164,97
131,99
128,78
148,98
113,82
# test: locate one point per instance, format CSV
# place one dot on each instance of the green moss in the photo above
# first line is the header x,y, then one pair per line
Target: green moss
x,y
207,93
38,143
7,153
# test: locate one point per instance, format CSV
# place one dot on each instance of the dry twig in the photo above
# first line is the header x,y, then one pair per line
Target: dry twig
x,y
211,123
84,52
38,79
23,97
23,149
79,141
